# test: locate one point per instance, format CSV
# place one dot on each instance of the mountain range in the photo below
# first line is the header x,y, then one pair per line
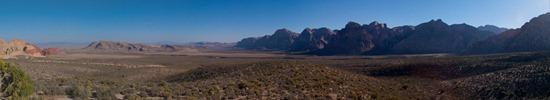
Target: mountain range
x,y
434,36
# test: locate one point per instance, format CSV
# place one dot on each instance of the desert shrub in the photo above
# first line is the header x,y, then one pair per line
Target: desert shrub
x,y
105,93
108,82
132,97
15,82
81,90
54,90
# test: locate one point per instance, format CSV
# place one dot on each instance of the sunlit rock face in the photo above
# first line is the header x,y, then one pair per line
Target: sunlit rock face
x,y
18,47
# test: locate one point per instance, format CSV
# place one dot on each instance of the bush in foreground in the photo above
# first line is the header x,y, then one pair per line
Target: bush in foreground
x,y
15,82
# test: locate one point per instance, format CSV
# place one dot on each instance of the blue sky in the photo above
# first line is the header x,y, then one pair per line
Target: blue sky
x,y
42,21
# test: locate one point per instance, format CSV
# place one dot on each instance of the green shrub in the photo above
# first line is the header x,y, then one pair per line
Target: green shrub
x,y
105,93
81,90
15,82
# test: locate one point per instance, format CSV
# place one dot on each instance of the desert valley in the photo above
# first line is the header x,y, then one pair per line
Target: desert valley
x,y
407,50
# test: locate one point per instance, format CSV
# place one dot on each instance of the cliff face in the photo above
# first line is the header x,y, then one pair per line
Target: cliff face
x,y
385,38
282,39
18,47
351,40
312,39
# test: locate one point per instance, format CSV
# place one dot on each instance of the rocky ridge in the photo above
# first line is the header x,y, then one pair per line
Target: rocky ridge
x,y
18,47
111,46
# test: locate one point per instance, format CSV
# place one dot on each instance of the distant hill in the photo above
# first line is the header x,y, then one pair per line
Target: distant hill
x,y
111,46
492,28
18,47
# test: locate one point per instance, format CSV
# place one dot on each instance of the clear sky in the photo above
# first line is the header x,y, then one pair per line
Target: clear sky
x,y
42,21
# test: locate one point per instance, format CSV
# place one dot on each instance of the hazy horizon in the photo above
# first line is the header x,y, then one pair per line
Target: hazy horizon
x,y
182,21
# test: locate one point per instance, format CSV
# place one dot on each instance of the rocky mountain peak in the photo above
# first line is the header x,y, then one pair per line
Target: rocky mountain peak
x,y
284,33
324,31
352,25
307,31
436,22
375,24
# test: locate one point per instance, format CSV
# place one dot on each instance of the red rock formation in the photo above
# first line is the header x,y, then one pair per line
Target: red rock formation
x,y
18,47
52,51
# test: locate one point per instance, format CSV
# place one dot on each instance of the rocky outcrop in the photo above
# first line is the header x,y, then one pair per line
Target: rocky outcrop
x,y
532,36
385,38
492,28
351,40
18,47
52,51
282,39
312,39
438,37
111,46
